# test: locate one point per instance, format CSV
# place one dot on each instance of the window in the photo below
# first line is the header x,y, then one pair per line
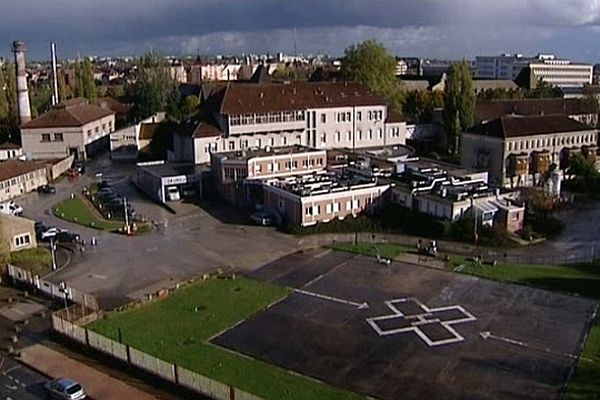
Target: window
x,y
323,138
231,145
317,210
97,129
45,137
22,240
89,133
379,133
349,116
338,137
284,140
58,137
294,164
370,134
103,127
257,168
244,144
275,167
308,211
359,135
258,143
359,116
336,207
272,141
323,118
349,136
348,205
328,208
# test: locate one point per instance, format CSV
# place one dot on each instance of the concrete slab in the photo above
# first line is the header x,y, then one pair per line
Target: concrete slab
x,y
22,310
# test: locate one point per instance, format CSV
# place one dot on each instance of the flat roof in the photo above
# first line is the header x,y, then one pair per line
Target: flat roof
x,y
255,152
171,169
323,182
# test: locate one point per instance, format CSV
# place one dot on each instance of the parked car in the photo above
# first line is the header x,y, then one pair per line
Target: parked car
x,y
103,185
67,237
263,218
79,167
49,233
64,389
105,197
46,189
11,208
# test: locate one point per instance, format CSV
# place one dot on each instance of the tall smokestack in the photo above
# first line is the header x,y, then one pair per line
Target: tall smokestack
x,y
55,98
22,93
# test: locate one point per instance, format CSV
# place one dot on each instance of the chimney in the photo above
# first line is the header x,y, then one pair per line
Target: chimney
x,y
55,98
19,48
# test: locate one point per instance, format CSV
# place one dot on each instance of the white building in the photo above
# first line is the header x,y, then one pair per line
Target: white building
x,y
10,150
554,71
318,115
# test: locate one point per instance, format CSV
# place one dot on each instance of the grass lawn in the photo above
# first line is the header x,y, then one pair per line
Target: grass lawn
x,y
386,250
38,260
75,210
173,330
582,279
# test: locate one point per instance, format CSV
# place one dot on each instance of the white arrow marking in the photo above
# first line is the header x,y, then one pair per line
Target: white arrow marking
x,y
489,335
360,306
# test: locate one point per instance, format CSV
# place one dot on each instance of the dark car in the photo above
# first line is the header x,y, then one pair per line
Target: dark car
x,y
103,185
105,197
67,237
79,167
46,189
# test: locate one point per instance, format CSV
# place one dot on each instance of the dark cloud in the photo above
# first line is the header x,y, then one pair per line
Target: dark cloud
x,y
133,26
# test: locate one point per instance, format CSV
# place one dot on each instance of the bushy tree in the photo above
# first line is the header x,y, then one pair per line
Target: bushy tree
x,y
370,64
459,103
500,94
544,90
154,89
420,104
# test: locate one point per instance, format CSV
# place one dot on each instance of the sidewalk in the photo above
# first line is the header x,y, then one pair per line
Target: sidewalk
x,y
98,385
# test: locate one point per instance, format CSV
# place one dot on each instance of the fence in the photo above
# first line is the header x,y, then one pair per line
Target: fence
x,y
68,323
51,289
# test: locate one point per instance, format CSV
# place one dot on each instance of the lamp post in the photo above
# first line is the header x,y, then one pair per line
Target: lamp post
x,y
53,252
126,215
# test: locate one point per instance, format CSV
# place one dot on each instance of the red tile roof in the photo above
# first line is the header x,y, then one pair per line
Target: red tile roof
x,y
70,113
516,126
13,168
488,110
272,97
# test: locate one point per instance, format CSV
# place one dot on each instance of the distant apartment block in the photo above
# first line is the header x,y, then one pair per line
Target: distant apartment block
x,y
547,67
519,151
72,127
239,174
323,196
318,115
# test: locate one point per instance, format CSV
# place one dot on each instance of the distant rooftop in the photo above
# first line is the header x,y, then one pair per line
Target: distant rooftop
x,y
255,152
69,113
323,182
517,126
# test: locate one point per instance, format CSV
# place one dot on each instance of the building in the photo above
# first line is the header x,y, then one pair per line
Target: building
x,y
157,178
448,192
519,151
322,197
73,127
126,143
10,150
322,115
17,233
483,85
239,175
577,109
20,177
547,67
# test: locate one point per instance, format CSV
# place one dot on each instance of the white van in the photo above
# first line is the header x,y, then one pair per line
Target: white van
x,y
173,193
11,208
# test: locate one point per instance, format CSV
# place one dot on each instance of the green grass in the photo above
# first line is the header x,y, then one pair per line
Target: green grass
x,y
585,384
75,210
172,330
38,260
386,250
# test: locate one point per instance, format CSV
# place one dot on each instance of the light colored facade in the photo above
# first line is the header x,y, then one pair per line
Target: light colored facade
x,y
9,151
127,142
322,116
319,198
17,232
70,128
556,72
20,177
515,157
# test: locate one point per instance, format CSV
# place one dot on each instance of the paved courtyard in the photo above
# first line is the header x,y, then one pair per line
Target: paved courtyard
x,y
426,334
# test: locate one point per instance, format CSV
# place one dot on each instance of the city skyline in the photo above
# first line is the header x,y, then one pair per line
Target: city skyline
x,y
430,28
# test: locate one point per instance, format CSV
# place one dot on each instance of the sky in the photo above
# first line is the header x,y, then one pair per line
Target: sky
x,y
451,29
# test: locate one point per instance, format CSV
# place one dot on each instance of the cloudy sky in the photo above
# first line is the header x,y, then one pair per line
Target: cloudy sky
x,y
426,28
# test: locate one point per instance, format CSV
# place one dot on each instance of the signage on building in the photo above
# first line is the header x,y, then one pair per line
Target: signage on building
x,y
175,180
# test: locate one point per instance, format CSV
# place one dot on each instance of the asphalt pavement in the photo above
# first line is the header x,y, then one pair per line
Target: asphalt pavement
x,y
17,382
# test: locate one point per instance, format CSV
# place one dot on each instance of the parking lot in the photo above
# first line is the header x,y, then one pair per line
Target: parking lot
x,y
426,334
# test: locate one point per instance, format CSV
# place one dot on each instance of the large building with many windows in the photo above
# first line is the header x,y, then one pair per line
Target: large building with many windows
x,y
322,115
73,127
519,150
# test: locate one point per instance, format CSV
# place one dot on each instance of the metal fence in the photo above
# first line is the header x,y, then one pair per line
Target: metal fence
x,y
67,323
51,289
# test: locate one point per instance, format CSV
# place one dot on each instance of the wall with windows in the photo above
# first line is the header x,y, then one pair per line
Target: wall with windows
x,y
17,232
22,184
7,154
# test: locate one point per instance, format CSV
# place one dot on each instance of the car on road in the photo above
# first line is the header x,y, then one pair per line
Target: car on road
x,y
67,237
64,389
46,189
11,208
79,167
264,218
49,233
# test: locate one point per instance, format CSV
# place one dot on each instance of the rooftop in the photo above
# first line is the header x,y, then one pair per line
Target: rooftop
x,y
264,152
517,126
147,131
13,168
9,146
488,110
163,169
323,182
70,113
274,97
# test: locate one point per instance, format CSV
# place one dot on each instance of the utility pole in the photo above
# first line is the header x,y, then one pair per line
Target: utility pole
x,y
126,215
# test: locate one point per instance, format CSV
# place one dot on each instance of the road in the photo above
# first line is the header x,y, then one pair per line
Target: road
x,y
18,382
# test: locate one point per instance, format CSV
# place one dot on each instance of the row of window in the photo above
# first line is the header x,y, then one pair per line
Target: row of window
x,y
22,240
374,115
97,129
233,174
266,118
547,142
290,165
313,211
57,137
20,179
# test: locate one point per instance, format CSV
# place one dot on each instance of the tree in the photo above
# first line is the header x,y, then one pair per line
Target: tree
x,y
64,92
85,86
154,90
459,103
543,90
500,94
11,94
419,105
370,64
188,106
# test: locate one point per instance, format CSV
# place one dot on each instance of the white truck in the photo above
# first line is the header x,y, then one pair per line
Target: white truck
x,y
173,193
11,208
